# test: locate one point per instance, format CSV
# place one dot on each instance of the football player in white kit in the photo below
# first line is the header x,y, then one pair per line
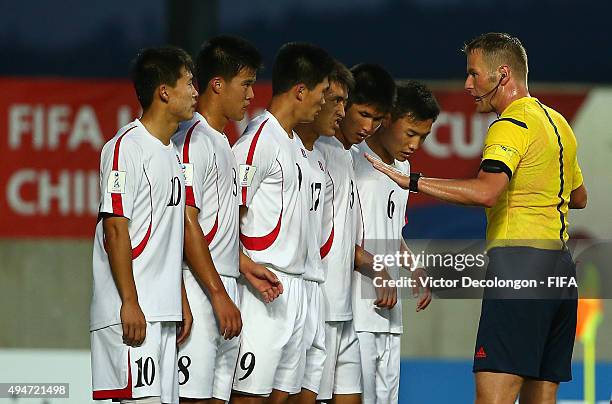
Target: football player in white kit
x,y
383,208
314,185
371,98
271,225
138,300
226,69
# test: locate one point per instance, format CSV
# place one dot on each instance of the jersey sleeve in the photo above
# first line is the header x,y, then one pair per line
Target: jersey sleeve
x,y
577,179
254,158
505,142
121,170
198,170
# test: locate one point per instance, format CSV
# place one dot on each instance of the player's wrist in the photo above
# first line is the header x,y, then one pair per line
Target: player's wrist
x,y
218,294
129,298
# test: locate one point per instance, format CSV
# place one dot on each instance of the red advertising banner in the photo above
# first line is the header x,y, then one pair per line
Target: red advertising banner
x,y
52,131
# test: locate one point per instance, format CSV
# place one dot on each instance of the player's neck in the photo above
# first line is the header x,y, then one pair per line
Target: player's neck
x,y
159,124
511,94
285,113
340,136
307,134
374,143
213,113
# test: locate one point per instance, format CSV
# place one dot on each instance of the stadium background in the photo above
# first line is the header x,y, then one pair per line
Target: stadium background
x,y
64,85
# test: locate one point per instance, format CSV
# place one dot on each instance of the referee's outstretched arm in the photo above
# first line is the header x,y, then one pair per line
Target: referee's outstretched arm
x,y
484,190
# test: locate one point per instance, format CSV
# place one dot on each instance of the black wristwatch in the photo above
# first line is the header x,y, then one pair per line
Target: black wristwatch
x,y
414,182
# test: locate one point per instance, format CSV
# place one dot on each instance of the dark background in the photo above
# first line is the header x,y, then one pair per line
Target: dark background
x,y
568,41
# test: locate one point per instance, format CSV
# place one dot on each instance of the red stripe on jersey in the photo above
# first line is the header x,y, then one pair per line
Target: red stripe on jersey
x,y
118,394
189,197
143,243
116,198
263,242
324,250
250,155
211,234
327,246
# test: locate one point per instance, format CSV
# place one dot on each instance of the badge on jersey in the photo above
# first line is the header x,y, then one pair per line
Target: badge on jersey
x,y
188,172
247,173
116,182
502,151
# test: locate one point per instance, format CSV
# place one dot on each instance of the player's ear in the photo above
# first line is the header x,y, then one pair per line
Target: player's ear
x,y
216,84
163,93
300,91
504,74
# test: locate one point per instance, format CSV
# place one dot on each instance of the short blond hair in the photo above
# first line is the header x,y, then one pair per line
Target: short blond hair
x,y
499,48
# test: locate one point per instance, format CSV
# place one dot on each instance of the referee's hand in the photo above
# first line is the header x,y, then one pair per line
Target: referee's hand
x,y
134,323
398,177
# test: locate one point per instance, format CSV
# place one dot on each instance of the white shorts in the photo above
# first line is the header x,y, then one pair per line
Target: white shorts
x,y
272,338
342,369
206,361
310,368
123,372
380,364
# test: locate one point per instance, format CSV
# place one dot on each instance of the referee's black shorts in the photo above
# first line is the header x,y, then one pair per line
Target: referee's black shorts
x,y
525,332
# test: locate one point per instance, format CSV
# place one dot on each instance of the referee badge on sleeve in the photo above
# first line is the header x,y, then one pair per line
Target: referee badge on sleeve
x,y
188,172
501,151
247,172
116,182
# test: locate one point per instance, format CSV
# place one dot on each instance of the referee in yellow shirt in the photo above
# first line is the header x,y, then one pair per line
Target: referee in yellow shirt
x,y
528,180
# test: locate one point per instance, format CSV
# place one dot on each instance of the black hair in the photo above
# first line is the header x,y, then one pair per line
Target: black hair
x,y
153,67
416,100
373,86
225,56
343,76
298,62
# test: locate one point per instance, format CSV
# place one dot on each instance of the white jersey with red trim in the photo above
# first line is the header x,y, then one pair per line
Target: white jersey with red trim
x,y
211,186
339,228
380,221
271,230
142,180
313,178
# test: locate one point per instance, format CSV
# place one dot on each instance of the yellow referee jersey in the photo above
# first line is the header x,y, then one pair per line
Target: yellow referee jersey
x,y
538,146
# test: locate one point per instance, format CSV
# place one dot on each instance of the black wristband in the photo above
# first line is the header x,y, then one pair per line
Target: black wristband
x,y
414,182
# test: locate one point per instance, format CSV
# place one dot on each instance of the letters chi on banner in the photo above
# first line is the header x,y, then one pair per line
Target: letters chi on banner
x,y
52,131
